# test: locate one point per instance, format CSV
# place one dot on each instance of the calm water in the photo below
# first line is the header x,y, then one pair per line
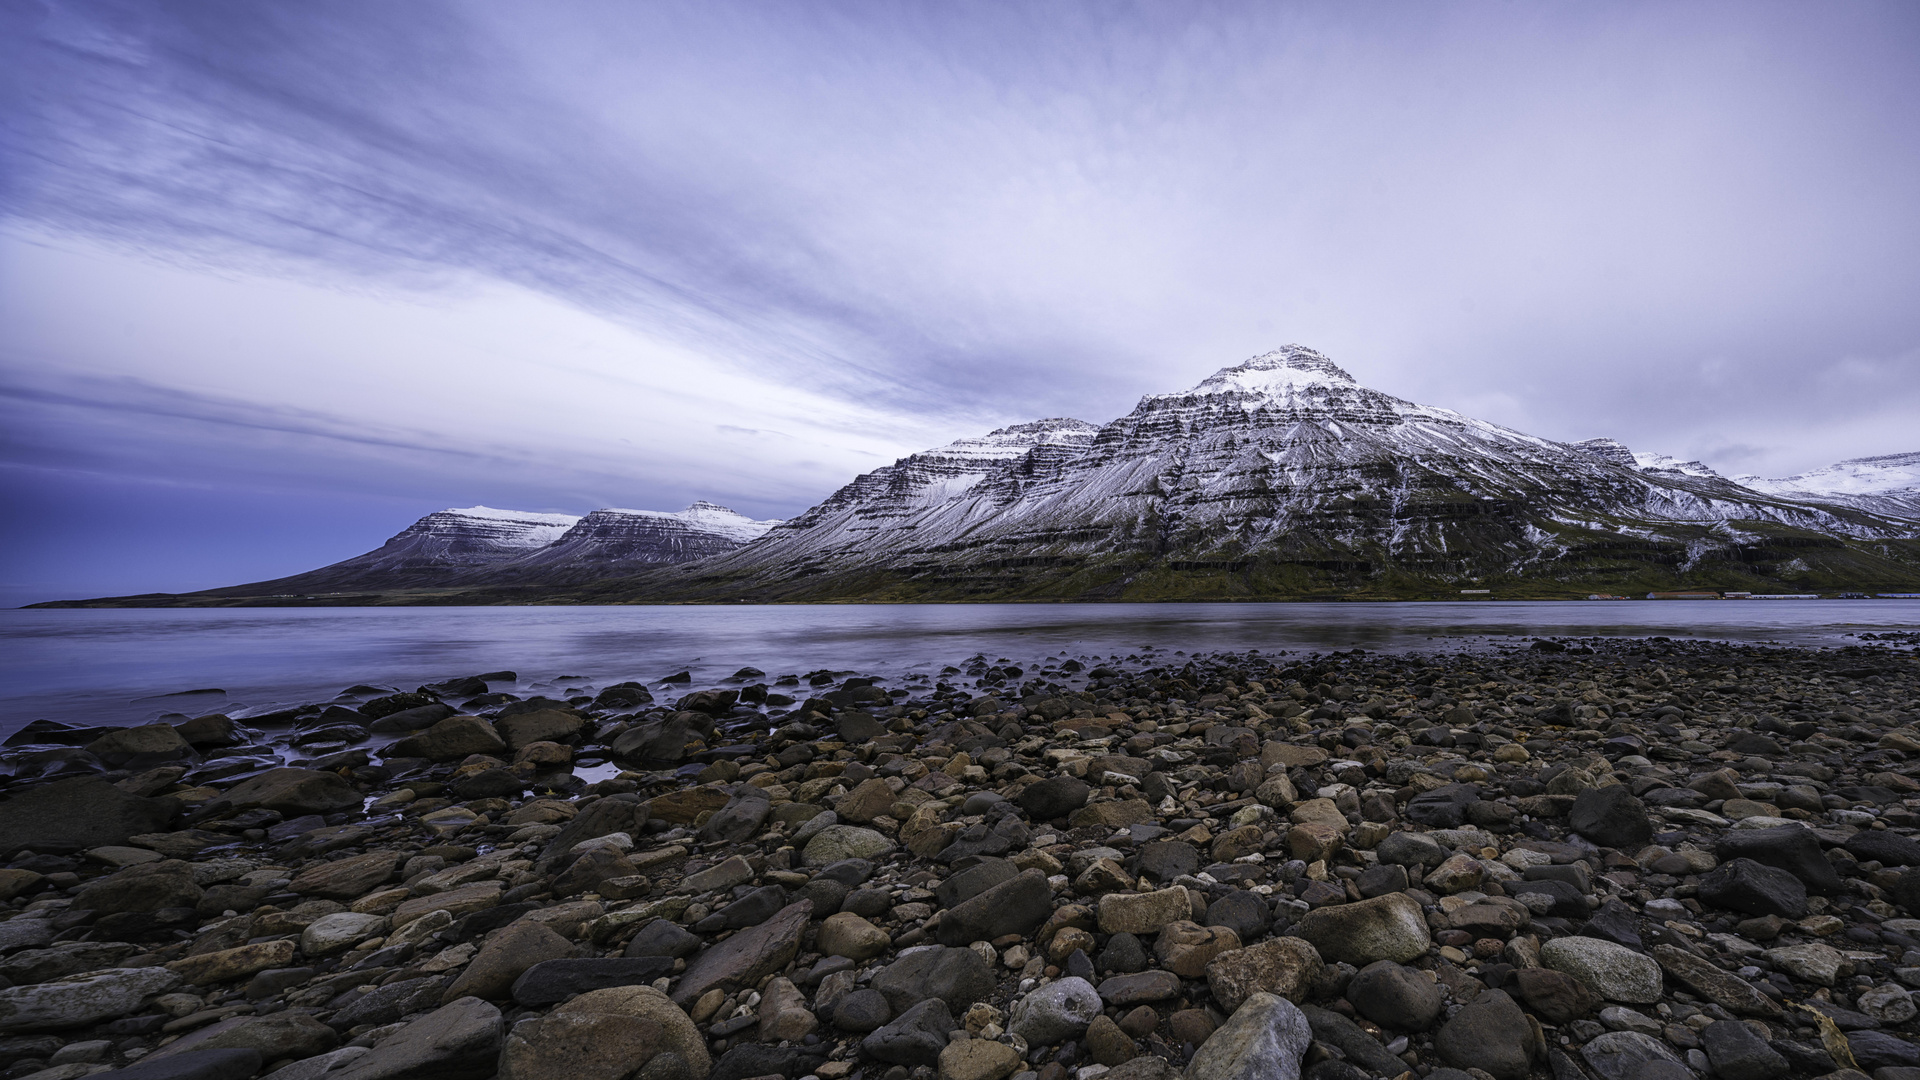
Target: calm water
x,y
105,667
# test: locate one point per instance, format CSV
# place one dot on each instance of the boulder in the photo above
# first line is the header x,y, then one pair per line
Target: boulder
x,y
506,955
746,957
1286,967
1490,1034
1056,1012
1264,1039
959,977
1015,906
606,1034
346,879
1612,817
1612,972
450,740
73,815
1390,927
552,981
296,791
1395,997
80,1000
544,725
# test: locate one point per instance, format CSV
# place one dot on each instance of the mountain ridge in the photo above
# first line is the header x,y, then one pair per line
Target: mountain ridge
x,y
1281,476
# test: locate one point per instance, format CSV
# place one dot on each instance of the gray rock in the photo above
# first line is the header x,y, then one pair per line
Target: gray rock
x,y
1396,997
837,842
79,1000
1613,972
296,791
458,1041
1739,1053
24,934
385,1004
957,976
743,816
1241,911
1056,1012
1360,1048
1164,860
1490,1034
1016,906
915,1039
974,880
1264,1039
1620,1055
746,957
1390,927
1878,1050
862,1011
1410,850
663,937
314,1068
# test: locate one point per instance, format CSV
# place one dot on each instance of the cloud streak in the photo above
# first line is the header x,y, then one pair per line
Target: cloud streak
x,y
875,227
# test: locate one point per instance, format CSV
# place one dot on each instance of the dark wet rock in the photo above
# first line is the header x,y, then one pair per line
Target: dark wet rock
x,y
915,1039
1164,860
862,1011
1243,912
72,815
1742,884
956,976
744,815
1444,807
1879,1049
223,1064
1395,997
1554,996
1885,848
1491,1034
1739,1053
1790,847
974,880
1359,1047
1611,816
1054,797
458,1041
296,791
1015,906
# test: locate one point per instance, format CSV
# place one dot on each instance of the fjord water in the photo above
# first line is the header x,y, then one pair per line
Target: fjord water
x,y
115,666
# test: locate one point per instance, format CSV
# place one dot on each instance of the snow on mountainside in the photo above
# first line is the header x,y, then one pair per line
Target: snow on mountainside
x,y
610,542
1283,461
480,545
1888,484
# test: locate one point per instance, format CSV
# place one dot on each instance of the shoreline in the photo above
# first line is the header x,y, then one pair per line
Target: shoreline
x,y
1579,855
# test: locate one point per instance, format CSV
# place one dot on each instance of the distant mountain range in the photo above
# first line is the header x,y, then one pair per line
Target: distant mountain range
x,y
1277,477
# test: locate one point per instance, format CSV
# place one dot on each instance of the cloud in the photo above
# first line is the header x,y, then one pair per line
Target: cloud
x,y
1677,224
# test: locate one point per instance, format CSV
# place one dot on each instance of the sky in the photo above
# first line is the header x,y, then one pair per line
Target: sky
x,y
278,278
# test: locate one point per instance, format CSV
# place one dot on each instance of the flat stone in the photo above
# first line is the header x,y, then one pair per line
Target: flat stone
x,y
1620,1055
746,957
1714,983
1140,988
339,932
451,739
552,981
228,964
1812,961
296,791
507,954
79,1000
977,1059
956,976
346,879
456,902
837,842
458,1041
1015,906
227,1064
914,1038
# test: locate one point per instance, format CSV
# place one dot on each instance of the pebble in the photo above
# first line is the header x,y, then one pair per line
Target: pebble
x,y
1645,850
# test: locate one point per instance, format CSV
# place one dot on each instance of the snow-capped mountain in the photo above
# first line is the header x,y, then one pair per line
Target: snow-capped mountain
x,y
1888,484
483,546
608,543
1285,466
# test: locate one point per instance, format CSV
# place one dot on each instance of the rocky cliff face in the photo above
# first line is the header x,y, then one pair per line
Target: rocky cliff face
x,y
1281,466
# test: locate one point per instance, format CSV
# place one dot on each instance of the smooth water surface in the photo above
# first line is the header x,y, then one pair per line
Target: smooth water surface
x,y
111,666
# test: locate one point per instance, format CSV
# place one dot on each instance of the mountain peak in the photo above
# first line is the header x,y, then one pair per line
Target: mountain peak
x,y
1283,370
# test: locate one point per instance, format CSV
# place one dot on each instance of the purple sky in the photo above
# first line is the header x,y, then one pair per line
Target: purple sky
x,y
277,278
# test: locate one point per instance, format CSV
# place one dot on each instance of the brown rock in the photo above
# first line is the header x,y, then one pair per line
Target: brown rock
x,y
604,1035
685,806
865,802
1107,1043
1186,948
1284,966
1235,843
226,964
546,725
1113,814
506,956
146,887
346,879
296,791
456,902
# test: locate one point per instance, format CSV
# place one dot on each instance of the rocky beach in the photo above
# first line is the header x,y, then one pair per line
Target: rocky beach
x,y
1607,859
